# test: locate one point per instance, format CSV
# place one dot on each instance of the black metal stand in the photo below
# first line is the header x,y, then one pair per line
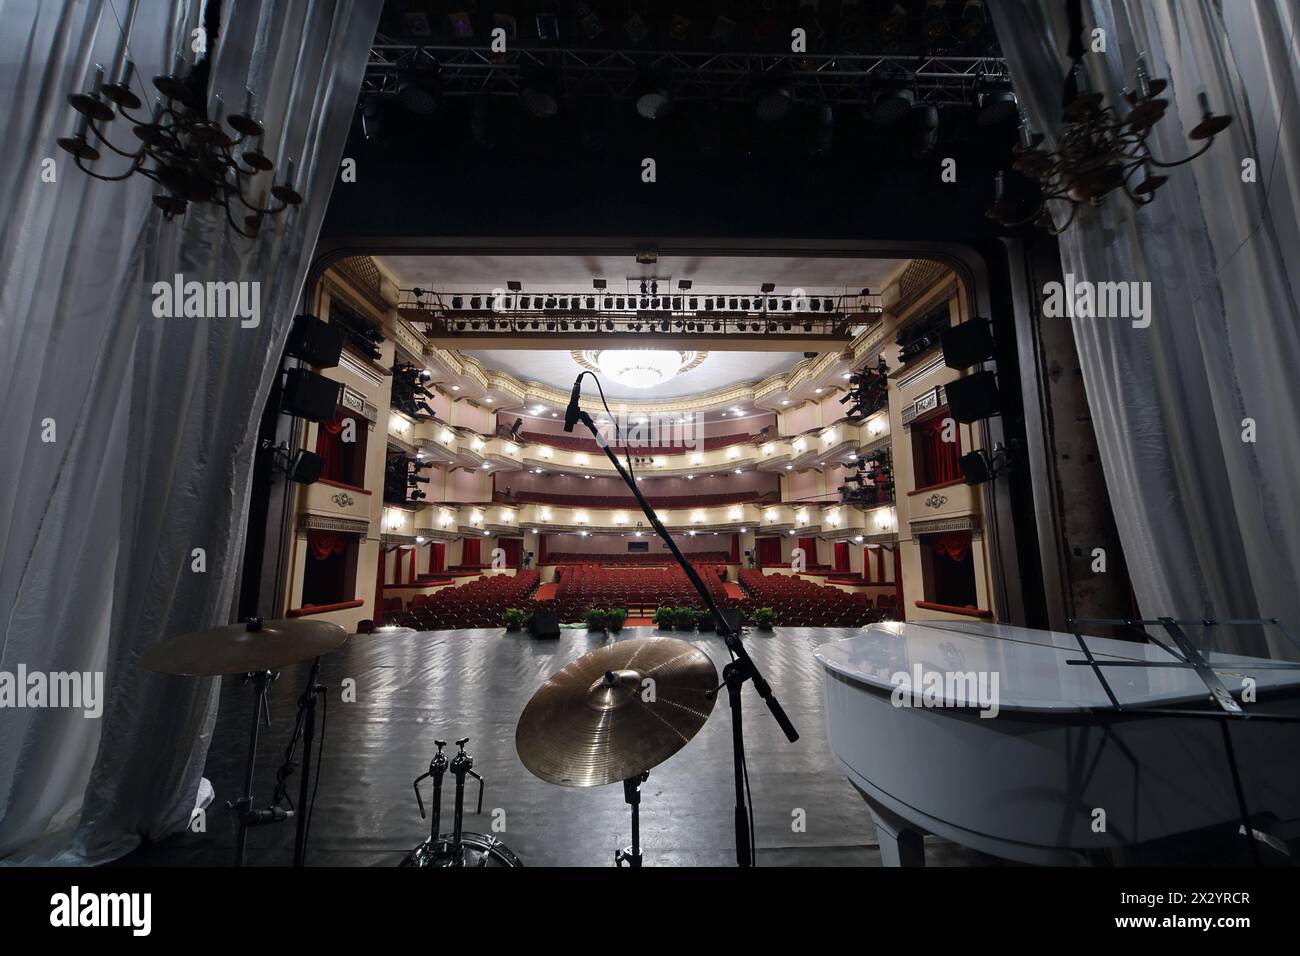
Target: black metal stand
x,y
243,807
631,855
742,667
308,709
1184,654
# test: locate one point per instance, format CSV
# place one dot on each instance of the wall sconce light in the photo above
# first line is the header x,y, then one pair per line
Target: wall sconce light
x,y
446,437
478,444
697,459
884,520
734,514
444,519
733,452
798,445
546,514
581,517
546,451
697,517
507,516
475,518
801,517
620,518
398,425
580,459
770,516
769,449
511,449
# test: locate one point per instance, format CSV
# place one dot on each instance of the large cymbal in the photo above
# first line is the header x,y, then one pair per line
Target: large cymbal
x,y
239,649
597,721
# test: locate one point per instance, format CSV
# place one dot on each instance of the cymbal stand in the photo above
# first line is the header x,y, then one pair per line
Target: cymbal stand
x,y
437,767
305,728
462,765
243,807
632,794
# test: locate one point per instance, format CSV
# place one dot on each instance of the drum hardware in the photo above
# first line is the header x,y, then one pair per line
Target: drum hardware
x,y
245,815
464,848
305,728
613,715
632,794
258,650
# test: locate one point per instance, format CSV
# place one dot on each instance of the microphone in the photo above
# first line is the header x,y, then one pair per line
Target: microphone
x,y
573,411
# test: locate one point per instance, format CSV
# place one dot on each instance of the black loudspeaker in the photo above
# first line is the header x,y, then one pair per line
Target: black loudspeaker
x,y
973,397
306,467
308,395
315,342
967,344
544,624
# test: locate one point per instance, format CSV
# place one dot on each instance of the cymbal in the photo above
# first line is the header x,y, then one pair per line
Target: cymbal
x,y
598,721
241,649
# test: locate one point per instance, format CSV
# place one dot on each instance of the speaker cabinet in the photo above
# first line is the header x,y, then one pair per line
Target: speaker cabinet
x,y
973,397
544,624
310,396
315,342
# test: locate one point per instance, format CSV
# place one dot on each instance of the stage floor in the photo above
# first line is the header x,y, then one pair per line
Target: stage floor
x,y
411,688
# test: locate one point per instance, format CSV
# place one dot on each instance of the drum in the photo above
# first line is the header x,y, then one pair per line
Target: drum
x,y
476,849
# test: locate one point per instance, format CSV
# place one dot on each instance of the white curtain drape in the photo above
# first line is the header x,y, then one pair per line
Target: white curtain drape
x,y
1210,522
152,420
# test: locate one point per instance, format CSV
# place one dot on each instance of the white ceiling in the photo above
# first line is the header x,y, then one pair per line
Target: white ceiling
x,y
718,370
709,274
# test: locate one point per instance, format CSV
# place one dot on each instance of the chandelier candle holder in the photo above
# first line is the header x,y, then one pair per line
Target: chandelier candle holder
x,y
1098,151
195,156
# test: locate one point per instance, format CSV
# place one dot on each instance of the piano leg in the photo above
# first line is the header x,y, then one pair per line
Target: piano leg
x,y
901,843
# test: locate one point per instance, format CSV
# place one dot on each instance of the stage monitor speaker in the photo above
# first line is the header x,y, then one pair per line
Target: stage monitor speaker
x,y
310,396
306,467
973,397
544,624
315,342
967,344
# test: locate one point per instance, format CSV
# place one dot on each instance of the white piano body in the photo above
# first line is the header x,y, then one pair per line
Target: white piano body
x,y
1027,784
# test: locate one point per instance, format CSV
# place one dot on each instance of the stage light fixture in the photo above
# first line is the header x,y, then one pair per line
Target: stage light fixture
x,y
926,134
967,344
419,92
598,283
684,284
892,104
973,397
767,287
514,285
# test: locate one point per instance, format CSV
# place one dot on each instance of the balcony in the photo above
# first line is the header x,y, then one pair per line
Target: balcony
x,y
335,499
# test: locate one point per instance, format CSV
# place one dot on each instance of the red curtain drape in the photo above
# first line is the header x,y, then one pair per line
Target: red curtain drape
x,y
769,552
541,549
955,544
511,547
809,546
469,553
940,457
866,563
322,544
735,548
329,445
841,556
413,550
437,557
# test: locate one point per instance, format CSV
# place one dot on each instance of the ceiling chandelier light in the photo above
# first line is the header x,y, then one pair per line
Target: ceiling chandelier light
x,y
192,153
1098,151
639,368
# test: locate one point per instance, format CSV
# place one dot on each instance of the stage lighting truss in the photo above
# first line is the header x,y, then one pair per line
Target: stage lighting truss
x,y
872,483
403,479
683,313
710,76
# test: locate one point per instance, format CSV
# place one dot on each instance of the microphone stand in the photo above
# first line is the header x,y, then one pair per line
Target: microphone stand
x,y
734,674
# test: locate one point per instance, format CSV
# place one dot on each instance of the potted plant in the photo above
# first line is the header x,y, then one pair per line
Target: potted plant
x,y
516,618
614,619
764,618
596,619
704,621
684,619
663,618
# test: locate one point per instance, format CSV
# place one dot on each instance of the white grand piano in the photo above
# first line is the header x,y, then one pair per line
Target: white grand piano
x,y
1057,776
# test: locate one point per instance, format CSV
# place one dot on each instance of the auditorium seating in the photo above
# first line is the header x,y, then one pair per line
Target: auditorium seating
x,y
637,560
574,443
639,589
480,603
626,501
801,603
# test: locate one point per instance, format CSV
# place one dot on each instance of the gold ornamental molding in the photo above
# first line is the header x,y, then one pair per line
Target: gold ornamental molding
x,y
314,522
943,525
587,358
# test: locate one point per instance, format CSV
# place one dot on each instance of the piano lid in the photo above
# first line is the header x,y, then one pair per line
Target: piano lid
x,y
1031,668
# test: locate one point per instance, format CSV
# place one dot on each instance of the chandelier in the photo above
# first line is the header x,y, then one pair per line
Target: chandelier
x,y
195,156
640,368
1098,151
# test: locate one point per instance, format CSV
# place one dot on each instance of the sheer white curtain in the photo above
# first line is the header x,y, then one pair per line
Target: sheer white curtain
x,y
153,419
1210,522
